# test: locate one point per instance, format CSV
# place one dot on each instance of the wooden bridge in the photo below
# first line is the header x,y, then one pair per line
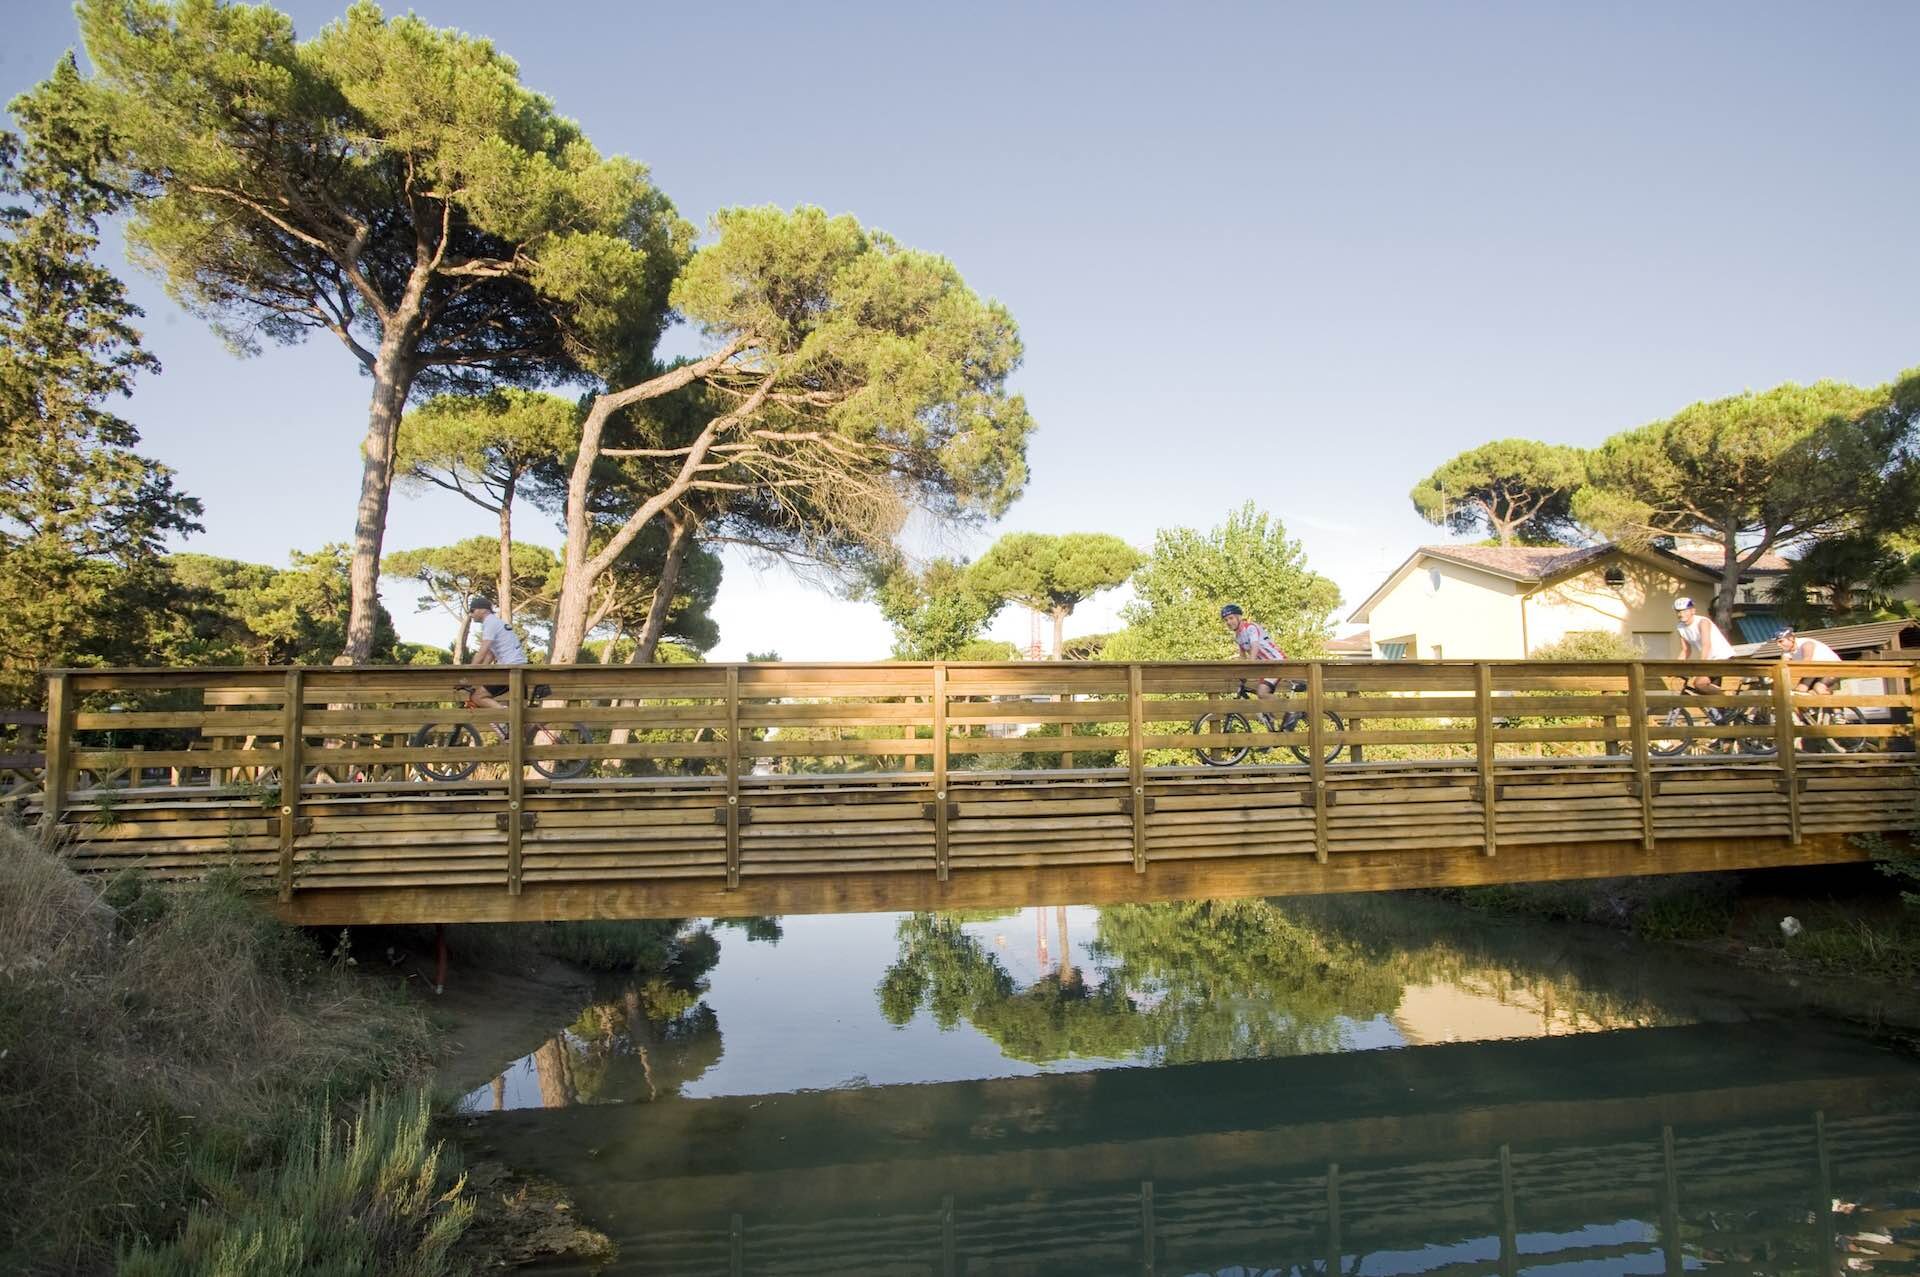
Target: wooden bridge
x,y
786,788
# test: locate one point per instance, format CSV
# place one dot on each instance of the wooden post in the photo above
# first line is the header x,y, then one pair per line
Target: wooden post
x,y
1642,748
949,1250
1334,1248
733,777
1509,1232
1823,1208
516,771
1148,1246
736,1246
1670,1206
53,798
1136,767
1783,735
1483,750
1066,730
292,769
940,772
1317,758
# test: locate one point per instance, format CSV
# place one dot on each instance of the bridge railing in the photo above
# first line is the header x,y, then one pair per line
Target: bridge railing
x,y
380,778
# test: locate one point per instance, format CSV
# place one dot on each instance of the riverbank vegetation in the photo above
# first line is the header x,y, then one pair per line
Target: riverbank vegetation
x,y
189,1086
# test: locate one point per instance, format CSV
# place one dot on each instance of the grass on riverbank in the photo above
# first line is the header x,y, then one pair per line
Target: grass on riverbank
x,y
179,1082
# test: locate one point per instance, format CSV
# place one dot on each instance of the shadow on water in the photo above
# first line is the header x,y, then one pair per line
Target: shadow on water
x,y
1601,1110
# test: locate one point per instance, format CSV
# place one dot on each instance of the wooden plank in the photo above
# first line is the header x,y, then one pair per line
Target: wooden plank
x,y
1483,752
940,808
733,777
516,770
292,772
1136,766
1317,757
60,711
1094,883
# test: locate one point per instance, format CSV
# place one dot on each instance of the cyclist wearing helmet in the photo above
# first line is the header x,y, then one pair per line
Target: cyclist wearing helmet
x,y
1700,640
498,645
1252,641
1794,648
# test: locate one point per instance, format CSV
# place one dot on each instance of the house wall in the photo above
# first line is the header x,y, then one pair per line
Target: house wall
x,y
1468,614
1639,610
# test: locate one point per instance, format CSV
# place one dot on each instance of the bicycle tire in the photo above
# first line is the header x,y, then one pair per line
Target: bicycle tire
x,y
1221,755
1758,746
1330,722
1847,716
436,736
565,768
1680,735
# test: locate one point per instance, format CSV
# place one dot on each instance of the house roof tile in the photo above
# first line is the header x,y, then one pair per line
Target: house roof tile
x,y
1522,562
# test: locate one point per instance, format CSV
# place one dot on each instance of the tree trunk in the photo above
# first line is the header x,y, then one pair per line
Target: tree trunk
x,y
678,543
392,380
1729,584
1059,630
506,555
606,652
460,644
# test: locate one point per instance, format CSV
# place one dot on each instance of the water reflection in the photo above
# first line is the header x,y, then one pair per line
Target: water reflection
x,y
1770,1147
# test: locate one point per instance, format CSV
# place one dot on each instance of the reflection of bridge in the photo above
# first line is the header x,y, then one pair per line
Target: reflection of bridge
x,y
928,787
1490,1157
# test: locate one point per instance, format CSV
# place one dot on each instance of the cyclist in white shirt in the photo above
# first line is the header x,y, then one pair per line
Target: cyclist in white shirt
x,y
498,645
1700,640
1794,648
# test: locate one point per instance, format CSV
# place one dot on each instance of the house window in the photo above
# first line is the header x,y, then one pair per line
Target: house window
x,y
1393,651
1655,643
1616,577
1439,654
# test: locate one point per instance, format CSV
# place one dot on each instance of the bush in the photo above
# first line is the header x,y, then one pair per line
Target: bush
x,y
1588,645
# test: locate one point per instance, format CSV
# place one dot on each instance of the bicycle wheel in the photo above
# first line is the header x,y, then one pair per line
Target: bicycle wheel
x,y
1672,734
1846,716
1221,755
1329,723
1758,746
562,768
435,736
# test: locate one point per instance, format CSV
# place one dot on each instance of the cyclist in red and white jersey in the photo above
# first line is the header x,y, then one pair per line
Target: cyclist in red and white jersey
x,y
1252,641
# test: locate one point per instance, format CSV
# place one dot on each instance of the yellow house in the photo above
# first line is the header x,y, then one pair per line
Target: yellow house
x,y
1490,602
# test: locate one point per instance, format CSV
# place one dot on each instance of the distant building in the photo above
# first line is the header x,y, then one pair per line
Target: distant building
x,y
1490,602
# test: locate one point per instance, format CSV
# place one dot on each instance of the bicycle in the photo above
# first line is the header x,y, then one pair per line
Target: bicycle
x,y
1292,720
464,736
1834,716
1679,726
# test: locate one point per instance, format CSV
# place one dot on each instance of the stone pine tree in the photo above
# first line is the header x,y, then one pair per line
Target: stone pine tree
x,y
1053,574
1517,491
484,447
453,576
82,515
852,382
388,183
1757,472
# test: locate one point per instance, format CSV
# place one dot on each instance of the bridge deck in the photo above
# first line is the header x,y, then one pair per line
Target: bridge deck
x,y
792,788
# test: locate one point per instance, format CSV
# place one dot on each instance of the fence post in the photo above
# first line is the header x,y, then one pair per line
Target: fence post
x,y
1509,1239
1136,767
1483,748
940,771
516,771
1317,758
1784,741
733,777
292,770
1066,730
1642,752
53,798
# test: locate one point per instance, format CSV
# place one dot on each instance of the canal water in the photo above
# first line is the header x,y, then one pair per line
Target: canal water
x,y
1368,1086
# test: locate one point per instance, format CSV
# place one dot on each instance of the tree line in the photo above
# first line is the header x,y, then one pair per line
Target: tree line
x,y
504,288
1827,473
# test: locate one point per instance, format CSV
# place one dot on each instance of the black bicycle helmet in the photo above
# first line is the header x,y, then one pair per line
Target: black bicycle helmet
x,y
1231,609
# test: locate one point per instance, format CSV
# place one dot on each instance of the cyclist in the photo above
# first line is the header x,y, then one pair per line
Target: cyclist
x,y
1794,648
498,645
1701,640
1252,642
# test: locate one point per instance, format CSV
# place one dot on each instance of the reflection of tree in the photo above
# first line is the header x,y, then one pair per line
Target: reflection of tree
x,y
645,1041
1184,982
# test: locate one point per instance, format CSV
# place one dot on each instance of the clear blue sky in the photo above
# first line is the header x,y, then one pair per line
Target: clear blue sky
x,y
1298,254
